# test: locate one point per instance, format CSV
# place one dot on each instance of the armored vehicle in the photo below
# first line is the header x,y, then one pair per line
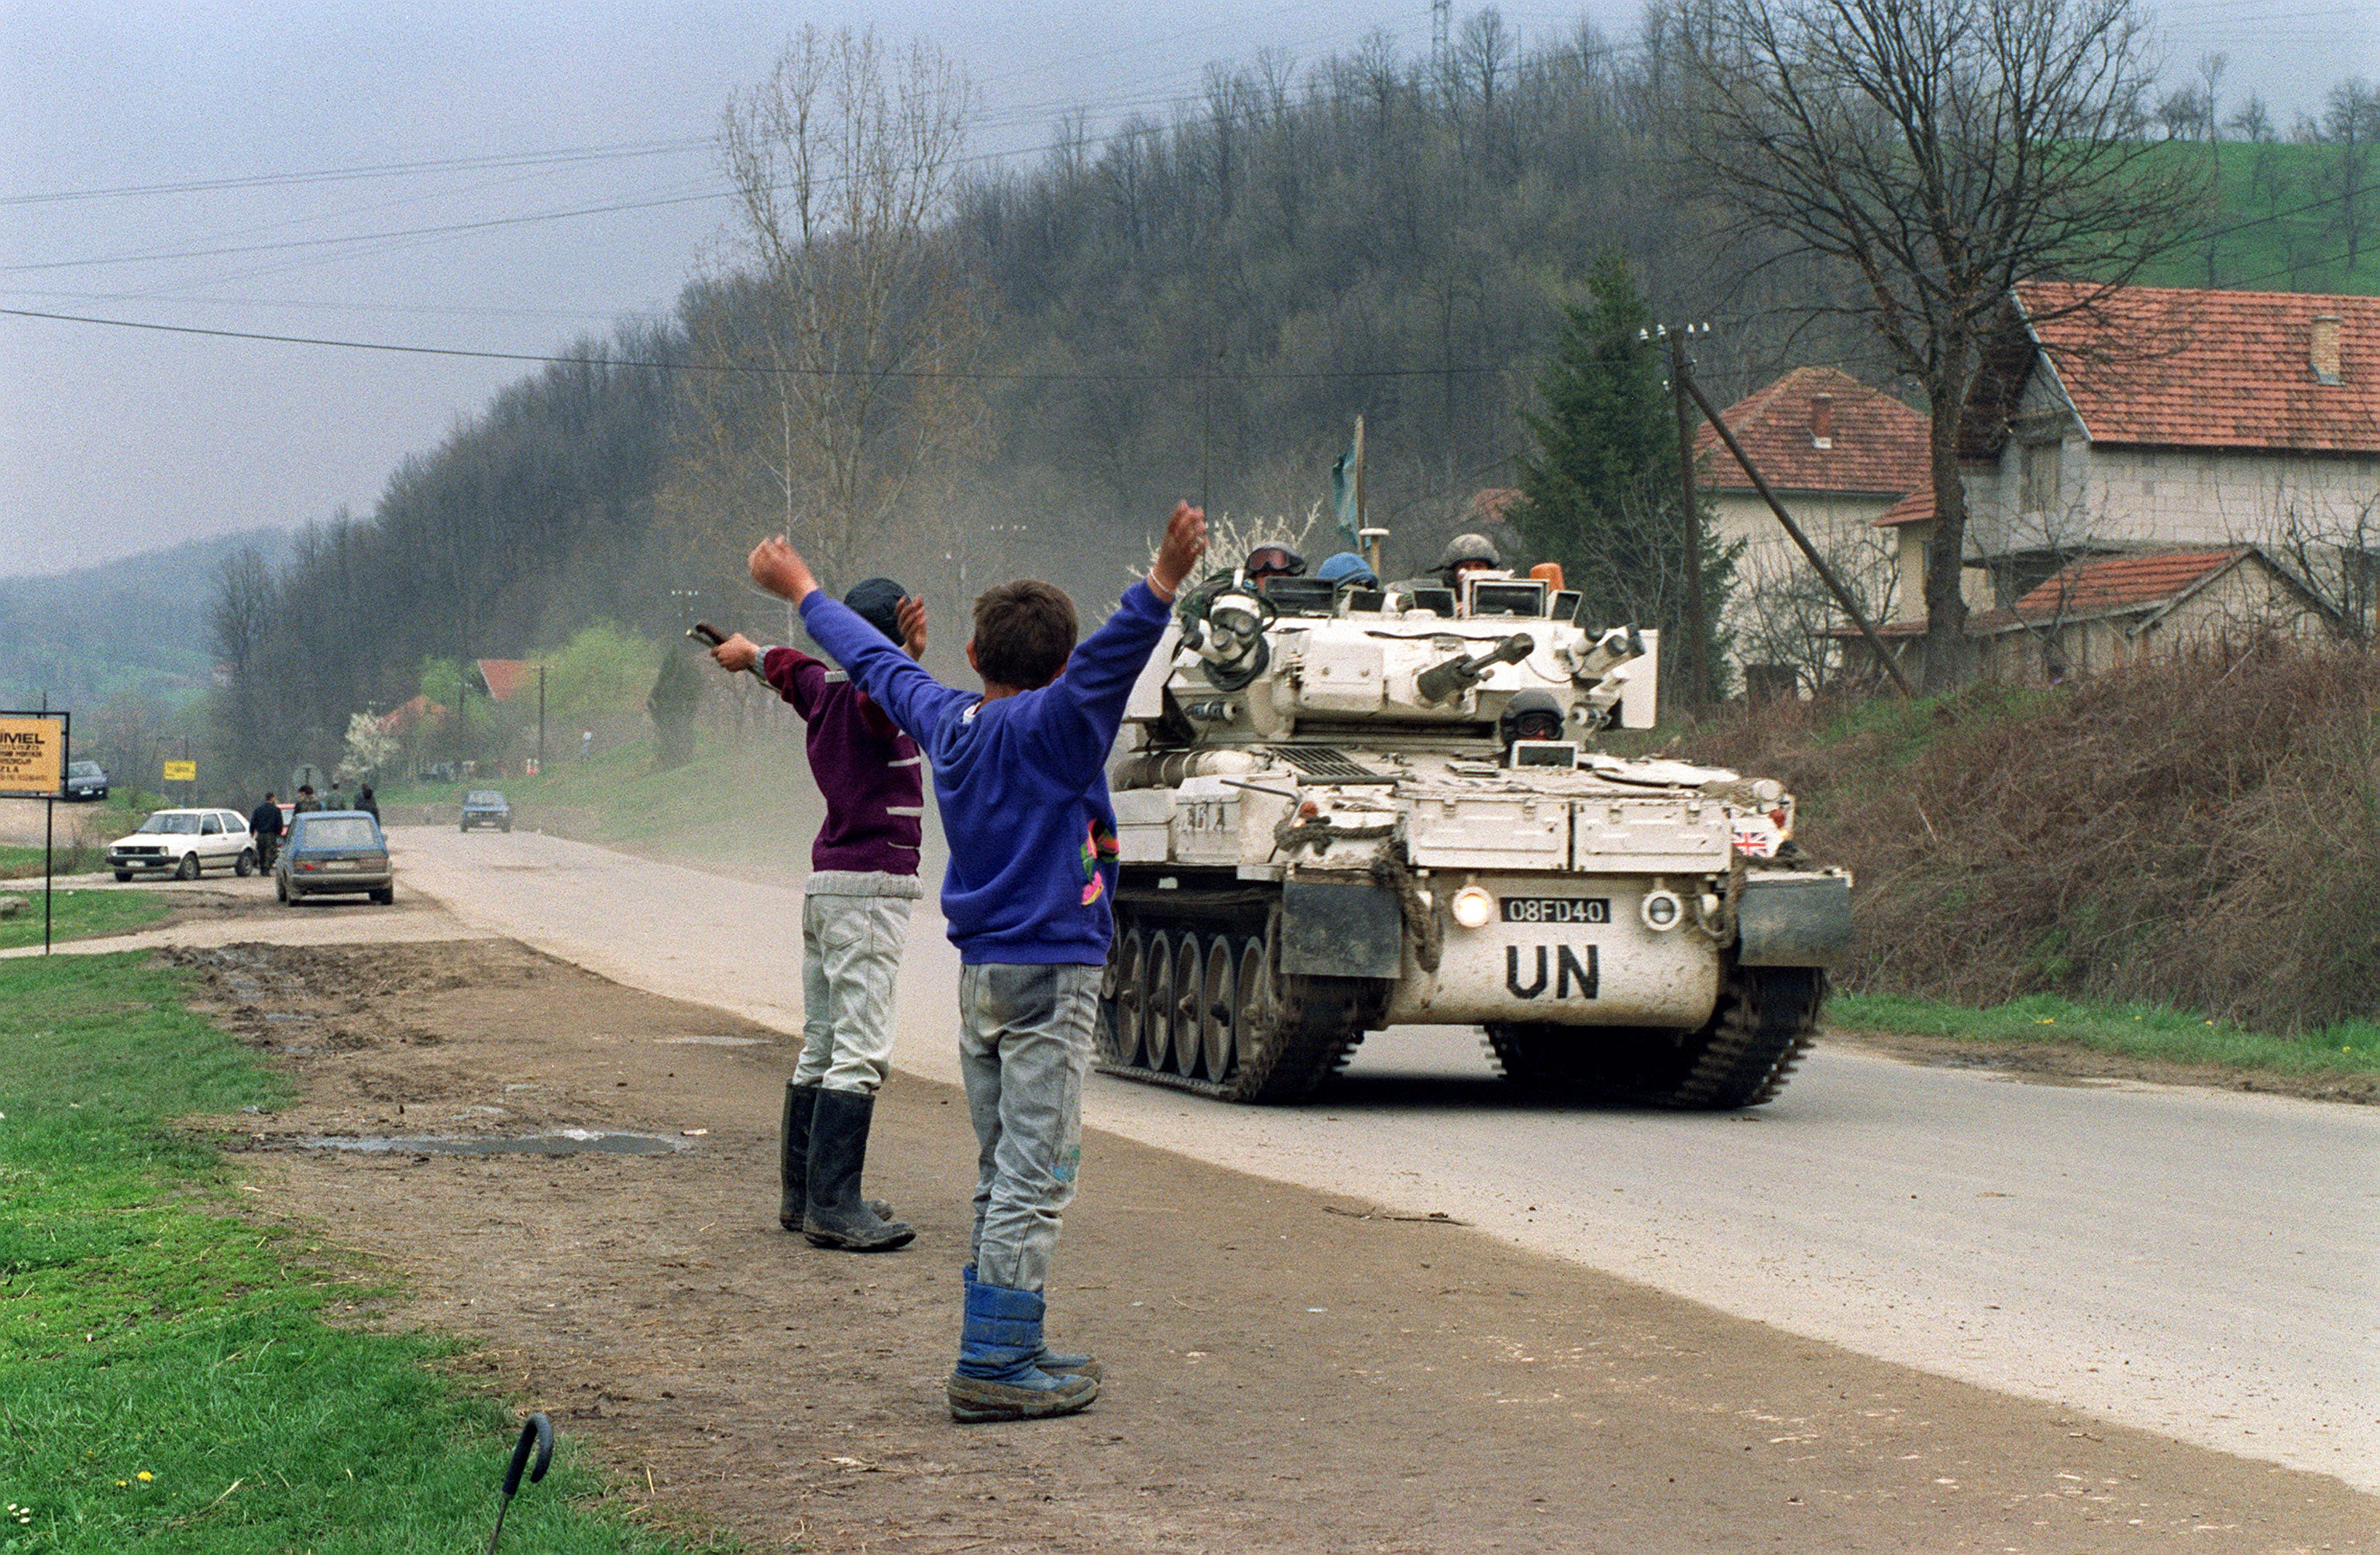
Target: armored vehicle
x,y
1345,809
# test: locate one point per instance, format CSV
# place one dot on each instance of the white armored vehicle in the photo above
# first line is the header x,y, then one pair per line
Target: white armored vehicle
x,y
1340,809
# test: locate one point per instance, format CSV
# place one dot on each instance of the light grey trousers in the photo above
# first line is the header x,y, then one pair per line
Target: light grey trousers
x,y
1025,1045
851,948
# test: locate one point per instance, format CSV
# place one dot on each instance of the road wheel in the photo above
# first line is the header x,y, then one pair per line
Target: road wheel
x,y
189,869
462,826
1219,1009
123,875
385,896
1120,1025
1157,1003
245,865
1189,988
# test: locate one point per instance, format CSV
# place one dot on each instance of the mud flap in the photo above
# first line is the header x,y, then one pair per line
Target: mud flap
x,y
1803,920
1341,930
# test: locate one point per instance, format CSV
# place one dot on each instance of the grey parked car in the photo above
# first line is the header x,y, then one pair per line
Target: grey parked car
x,y
486,807
334,853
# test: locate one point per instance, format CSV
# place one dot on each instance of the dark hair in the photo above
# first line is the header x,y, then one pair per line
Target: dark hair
x,y
1023,633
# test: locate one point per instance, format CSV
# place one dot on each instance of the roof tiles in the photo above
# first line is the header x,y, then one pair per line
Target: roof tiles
x,y
1875,445
2190,368
2123,583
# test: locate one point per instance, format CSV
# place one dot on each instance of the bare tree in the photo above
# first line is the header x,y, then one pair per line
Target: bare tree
x,y
1940,151
837,326
240,619
1786,621
2334,551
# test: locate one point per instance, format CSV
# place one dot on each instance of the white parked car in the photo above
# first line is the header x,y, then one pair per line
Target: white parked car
x,y
184,843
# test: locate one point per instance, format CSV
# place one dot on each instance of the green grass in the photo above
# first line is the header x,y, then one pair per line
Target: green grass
x,y
2140,1031
2304,251
76,915
68,857
171,1384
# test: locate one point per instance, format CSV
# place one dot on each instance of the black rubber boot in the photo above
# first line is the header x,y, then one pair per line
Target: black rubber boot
x,y
794,1160
794,1156
837,1216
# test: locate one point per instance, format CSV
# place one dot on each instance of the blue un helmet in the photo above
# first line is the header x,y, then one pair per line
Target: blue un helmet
x,y
1347,570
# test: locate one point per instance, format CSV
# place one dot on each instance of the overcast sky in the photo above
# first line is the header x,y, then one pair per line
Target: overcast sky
x,y
113,440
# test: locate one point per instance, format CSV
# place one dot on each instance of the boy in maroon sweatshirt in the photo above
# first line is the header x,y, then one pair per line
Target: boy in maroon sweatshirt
x,y
855,919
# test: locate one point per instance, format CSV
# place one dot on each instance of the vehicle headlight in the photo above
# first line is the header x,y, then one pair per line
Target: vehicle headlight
x,y
1472,907
1662,911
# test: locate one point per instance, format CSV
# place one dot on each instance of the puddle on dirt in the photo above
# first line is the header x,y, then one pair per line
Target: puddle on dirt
x,y
713,1041
562,1142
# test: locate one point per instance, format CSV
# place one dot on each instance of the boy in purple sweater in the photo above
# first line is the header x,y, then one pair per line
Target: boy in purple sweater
x,y
1020,773
854,921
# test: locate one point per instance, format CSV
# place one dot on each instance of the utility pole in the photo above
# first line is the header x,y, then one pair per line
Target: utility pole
x,y
1826,573
1692,513
541,720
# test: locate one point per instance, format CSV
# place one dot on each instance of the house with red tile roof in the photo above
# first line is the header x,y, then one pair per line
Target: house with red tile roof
x,y
2156,417
1839,454
506,678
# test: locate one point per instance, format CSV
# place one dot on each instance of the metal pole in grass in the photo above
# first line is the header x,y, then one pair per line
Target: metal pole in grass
x,y
537,1432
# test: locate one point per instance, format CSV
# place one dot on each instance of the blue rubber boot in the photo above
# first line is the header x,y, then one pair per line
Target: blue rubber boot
x,y
996,1378
1057,1363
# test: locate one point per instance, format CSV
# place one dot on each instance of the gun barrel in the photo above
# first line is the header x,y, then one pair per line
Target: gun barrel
x,y
1443,682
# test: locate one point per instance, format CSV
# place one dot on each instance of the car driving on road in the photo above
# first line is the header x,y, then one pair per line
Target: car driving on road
x,y
486,807
86,780
185,844
334,853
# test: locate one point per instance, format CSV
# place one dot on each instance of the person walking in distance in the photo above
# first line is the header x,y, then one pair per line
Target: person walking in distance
x,y
264,826
855,922
1020,773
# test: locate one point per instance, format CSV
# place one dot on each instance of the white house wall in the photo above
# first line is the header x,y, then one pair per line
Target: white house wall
x,y
2125,497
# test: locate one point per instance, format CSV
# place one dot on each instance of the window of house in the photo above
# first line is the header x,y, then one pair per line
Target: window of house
x,y
2037,477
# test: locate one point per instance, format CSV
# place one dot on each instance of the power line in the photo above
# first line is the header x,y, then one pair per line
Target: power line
x,y
1001,118
750,370
561,157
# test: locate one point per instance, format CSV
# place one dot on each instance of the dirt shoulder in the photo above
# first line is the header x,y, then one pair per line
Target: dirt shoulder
x,y
1285,1373
2052,1062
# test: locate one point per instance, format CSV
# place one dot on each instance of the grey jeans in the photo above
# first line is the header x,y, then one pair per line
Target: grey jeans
x,y
1025,1045
851,948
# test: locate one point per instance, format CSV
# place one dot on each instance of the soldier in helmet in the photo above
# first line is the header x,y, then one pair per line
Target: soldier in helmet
x,y
1463,554
1466,552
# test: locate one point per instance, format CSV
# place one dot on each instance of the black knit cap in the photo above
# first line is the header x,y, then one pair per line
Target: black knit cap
x,y
876,600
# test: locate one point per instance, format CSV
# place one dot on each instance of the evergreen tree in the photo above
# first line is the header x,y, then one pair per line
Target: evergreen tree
x,y
1600,493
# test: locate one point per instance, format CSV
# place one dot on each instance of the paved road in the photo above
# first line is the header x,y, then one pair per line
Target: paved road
x,y
2195,1262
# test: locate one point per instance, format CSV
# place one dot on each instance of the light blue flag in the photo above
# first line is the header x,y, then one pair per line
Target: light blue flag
x,y
1343,494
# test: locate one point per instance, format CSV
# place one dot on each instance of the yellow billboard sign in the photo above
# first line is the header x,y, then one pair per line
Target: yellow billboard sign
x,y
32,754
181,772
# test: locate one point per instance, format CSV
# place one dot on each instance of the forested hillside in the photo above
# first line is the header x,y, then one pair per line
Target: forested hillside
x,y
134,627
1195,305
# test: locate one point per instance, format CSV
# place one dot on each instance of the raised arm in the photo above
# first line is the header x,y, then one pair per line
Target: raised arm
x,y
1078,712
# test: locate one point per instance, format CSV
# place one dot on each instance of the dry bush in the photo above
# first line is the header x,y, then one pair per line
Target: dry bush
x,y
2204,833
